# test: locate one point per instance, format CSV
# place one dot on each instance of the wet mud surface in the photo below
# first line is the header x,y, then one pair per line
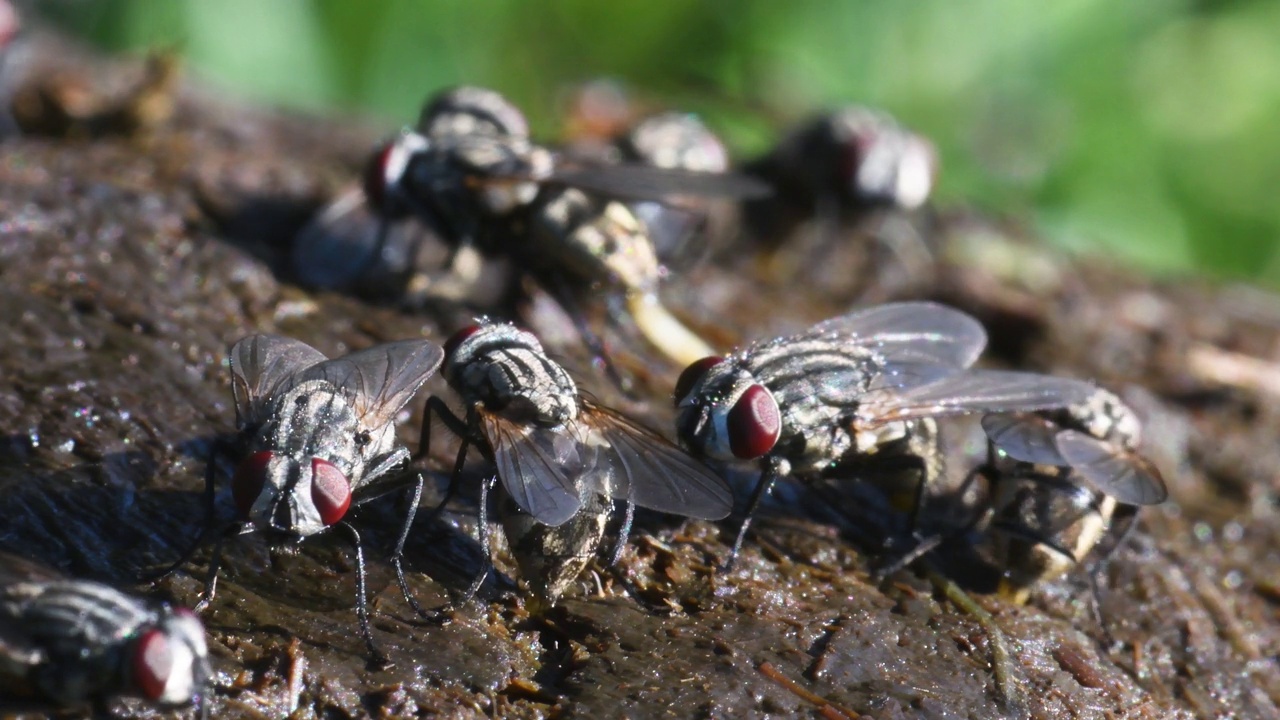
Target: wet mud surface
x,y
129,261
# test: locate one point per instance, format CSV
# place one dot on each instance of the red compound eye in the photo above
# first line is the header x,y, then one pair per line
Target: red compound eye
x,y
152,664
330,491
692,374
754,423
249,480
375,177
457,339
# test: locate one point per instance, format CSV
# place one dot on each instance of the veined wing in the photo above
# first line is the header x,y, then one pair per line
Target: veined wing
x,y
989,391
382,379
639,465
925,333
541,468
1126,476
261,365
1025,437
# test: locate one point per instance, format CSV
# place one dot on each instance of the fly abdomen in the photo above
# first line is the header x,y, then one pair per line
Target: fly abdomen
x,y
314,420
593,239
507,371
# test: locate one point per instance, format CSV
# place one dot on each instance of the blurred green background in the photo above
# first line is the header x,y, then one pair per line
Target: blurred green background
x,y
1146,129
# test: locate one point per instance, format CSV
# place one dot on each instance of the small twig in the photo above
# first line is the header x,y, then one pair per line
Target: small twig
x,y
1223,367
826,707
1007,691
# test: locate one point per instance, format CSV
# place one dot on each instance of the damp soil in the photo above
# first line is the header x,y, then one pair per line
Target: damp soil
x,y
132,253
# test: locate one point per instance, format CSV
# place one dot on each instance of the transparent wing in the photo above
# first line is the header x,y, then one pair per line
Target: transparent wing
x,y
647,469
923,333
1125,476
994,391
260,366
645,182
1025,437
380,380
539,467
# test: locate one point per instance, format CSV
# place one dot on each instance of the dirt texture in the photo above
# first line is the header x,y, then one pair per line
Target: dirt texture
x,y
132,254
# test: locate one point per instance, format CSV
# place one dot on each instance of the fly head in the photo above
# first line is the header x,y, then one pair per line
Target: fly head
x,y
723,413
169,661
289,494
384,175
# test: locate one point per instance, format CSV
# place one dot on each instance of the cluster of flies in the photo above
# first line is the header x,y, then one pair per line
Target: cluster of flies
x,y
858,395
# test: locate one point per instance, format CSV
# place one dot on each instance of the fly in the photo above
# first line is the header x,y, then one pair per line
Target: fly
x,y
470,173
317,433
559,456
843,163
862,388
855,171
72,642
1066,480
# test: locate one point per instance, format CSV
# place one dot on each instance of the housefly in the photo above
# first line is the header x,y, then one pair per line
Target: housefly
x,y
463,135
72,642
856,169
560,457
1065,481
484,184
857,390
848,161
317,433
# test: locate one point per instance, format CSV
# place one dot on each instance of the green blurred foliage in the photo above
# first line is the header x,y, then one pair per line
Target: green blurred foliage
x,y
1140,129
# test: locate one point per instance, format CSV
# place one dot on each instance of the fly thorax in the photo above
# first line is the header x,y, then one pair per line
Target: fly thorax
x,y
313,419
520,384
712,419
678,140
503,157
470,109
80,626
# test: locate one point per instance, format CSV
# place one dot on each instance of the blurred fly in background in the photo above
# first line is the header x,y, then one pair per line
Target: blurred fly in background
x,y
1164,159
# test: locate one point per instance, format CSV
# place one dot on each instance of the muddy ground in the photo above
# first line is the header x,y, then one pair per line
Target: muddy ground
x,y
134,251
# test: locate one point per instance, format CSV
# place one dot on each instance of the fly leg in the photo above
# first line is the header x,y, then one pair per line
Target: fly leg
x,y
210,495
376,658
1124,520
215,563
615,569
773,468
464,430
467,432
928,543
561,293
486,544
397,557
